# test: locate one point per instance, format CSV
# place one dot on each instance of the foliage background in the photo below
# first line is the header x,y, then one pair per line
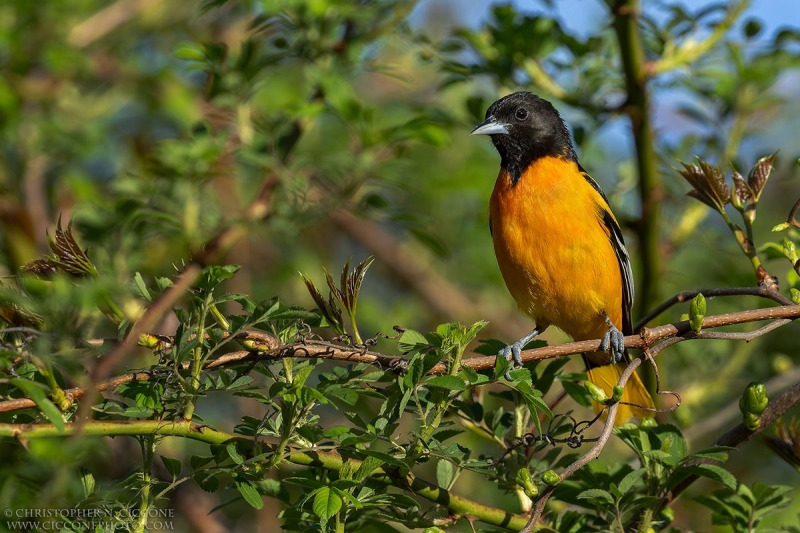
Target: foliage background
x,y
149,124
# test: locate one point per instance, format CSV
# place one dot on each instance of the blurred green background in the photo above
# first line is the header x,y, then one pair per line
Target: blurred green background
x,y
150,124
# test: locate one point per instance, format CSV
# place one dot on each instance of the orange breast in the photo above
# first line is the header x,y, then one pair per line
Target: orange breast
x,y
553,249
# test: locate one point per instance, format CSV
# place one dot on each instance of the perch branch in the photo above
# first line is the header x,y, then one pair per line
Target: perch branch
x,y
667,334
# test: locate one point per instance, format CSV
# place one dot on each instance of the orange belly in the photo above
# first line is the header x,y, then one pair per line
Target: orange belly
x,y
554,251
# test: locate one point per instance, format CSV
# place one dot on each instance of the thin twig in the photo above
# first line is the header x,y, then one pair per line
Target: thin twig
x,y
107,20
219,244
685,296
582,461
20,329
160,307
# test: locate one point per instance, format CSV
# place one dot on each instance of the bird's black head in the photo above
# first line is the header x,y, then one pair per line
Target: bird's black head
x,y
524,128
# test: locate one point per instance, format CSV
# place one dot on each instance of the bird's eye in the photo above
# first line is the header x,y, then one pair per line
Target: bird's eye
x,y
521,113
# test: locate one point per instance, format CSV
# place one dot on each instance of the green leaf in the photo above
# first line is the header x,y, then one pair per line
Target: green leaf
x,y
631,480
35,392
501,365
88,483
521,375
173,466
141,287
597,496
577,393
770,497
445,434
326,503
234,454
199,461
308,395
445,473
384,457
411,340
715,472
717,453
637,439
533,399
190,52
419,366
367,467
660,456
137,412
447,382
207,481
668,438
489,346
265,310
250,494
213,275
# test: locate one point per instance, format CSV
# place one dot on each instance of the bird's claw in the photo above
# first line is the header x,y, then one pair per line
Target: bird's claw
x,y
513,352
614,343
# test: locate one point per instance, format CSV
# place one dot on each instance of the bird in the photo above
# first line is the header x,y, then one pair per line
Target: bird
x,y
558,245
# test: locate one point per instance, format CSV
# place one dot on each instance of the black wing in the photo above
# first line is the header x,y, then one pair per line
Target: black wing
x,y
624,260
615,235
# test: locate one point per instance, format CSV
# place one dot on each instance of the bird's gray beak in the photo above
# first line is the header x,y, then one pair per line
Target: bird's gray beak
x,y
490,126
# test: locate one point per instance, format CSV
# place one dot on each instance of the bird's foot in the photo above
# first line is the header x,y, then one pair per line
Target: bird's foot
x,y
613,342
513,352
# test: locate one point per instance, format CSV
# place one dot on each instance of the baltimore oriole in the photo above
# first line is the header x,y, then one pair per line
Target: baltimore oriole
x,y
558,245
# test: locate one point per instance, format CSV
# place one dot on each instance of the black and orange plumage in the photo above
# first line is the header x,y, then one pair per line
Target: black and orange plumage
x,y
559,247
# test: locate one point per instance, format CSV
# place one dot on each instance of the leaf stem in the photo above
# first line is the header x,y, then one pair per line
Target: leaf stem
x,y
197,360
744,238
219,317
148,448
354,325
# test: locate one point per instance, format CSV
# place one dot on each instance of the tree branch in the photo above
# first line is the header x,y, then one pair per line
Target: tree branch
x,y
690,50
686,296
216,246
717,420
321,458
667,334
626,25
740,434
160,307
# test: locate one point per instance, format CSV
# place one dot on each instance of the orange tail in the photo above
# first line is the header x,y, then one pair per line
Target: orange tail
x,y
607,376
